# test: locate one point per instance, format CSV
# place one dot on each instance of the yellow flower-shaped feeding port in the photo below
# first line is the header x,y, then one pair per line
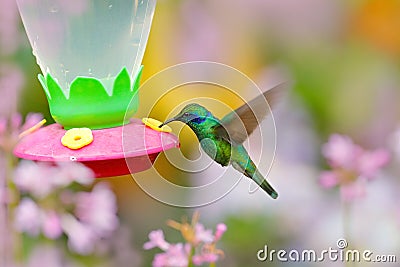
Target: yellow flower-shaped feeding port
x,y
154,124
77,138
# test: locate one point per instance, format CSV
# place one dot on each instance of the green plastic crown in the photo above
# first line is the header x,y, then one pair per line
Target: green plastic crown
x,y
89,105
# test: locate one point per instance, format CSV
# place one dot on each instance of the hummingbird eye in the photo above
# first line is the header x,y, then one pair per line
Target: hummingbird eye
x,y
185,114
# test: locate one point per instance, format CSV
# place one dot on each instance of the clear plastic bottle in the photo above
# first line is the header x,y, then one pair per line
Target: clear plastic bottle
x,y
87,38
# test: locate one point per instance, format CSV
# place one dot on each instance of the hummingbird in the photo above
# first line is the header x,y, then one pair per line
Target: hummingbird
x,y
222,139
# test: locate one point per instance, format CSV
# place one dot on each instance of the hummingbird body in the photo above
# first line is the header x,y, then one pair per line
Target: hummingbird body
x,y
217,148
223,139
224,153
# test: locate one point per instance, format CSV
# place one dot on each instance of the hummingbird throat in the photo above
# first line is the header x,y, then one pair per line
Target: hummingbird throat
x,y
200,120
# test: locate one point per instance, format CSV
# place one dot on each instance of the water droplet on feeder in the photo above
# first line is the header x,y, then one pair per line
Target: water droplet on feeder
x,y
110,6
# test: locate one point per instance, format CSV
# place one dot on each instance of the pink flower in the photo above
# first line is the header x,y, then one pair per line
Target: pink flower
x,y
95,211
41,179
51,225
176,255
340,151
209,253
200,244
34,178
328,179
205,258
370,162
98,209
156,240
351,166
81,238
28,217
68,172
202,234
221,229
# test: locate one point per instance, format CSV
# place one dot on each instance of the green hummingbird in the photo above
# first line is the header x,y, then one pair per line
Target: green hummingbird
x,y
222,139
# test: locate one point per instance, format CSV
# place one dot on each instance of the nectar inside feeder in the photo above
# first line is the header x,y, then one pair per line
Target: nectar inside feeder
x,y
90,55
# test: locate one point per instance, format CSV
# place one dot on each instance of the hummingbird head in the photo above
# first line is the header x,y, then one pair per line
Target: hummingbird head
x,y
190,114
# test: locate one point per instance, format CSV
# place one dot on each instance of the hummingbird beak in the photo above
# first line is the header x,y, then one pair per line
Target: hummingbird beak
x,y
167,121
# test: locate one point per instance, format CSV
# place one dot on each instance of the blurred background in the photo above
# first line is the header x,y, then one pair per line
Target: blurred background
x,y
342,60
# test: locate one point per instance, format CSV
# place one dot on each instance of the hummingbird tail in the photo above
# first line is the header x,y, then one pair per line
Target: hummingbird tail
x,y
269,189
259,179
243,163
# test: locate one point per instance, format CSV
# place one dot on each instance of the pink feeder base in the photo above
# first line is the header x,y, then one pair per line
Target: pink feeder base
x,y
114,151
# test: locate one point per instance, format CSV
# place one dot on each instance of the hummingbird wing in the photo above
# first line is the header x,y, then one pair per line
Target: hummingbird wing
x,y
237,125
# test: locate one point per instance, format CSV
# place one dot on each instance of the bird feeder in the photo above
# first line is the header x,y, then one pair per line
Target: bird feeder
x,y
90,54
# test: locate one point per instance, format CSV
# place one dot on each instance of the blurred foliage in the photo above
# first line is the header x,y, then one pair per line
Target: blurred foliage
x,y
247,236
